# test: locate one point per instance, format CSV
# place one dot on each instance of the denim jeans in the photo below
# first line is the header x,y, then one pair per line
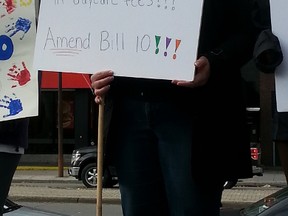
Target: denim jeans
x,y
154,158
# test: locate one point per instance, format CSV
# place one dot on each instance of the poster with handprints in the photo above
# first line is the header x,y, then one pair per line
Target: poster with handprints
x,y
148,38
279,10
18,79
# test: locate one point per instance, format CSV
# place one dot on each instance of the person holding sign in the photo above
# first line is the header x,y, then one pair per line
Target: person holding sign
x,y
13,142
14,132
162,131
267,57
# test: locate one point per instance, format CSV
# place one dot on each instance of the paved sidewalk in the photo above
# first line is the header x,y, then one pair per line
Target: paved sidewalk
x,y
246,190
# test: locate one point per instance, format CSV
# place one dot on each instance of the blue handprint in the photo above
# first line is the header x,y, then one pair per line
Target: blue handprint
x,y
13,105
21,24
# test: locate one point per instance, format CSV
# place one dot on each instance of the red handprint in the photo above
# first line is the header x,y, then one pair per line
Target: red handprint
x,y
21,76
9,6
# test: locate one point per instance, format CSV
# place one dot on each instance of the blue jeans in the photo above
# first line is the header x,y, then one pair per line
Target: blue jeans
x,y
154,158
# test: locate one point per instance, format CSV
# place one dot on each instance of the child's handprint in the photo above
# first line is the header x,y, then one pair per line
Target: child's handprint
x,y
9,6
21,76
21,24
25,3
13,105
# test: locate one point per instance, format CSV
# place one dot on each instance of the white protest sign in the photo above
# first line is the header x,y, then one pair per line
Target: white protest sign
x,y
279,10
18,79
147,38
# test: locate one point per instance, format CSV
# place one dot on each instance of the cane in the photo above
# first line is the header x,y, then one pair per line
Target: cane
x,y
100,158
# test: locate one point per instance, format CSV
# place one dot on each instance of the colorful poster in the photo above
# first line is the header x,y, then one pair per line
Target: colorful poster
x,y
147,38
18,79
279,10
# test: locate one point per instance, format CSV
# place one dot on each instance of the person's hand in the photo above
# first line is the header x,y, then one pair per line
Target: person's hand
x,y
202,74
100,82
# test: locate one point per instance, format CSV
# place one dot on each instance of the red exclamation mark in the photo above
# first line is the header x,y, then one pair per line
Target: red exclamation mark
x,y
177,46
157,39
168,40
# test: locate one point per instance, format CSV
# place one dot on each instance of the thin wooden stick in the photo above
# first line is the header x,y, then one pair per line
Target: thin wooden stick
x,y
100,158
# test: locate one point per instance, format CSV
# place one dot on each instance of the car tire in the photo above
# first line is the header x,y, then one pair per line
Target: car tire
x,y
89,176
230,184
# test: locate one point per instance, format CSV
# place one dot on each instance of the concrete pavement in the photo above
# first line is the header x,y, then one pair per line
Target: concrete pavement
x,y
22,189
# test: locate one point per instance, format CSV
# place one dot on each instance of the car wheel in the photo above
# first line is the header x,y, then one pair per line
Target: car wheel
x,y
89,176
230,184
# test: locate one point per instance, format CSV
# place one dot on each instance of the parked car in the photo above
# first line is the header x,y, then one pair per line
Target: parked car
x,y
256,167
83,167
255,148
83,161
275,204
13,209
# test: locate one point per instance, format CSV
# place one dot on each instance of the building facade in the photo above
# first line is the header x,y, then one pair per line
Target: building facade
x,y
79,114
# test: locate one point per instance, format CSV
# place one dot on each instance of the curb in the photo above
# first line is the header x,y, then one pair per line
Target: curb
x,y
39,168
112,201
19,180
68,179
244,193
261,184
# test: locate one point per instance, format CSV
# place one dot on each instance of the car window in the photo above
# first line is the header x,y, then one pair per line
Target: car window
x,y
265,203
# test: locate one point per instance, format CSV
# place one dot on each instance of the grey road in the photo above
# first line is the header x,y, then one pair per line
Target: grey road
x,y
89,209
75,209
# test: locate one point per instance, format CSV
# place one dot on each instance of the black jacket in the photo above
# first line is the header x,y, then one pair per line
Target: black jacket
x,y
227,39
14,132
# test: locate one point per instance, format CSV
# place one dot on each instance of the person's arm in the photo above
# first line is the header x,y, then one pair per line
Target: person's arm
x,y
237,48
233,51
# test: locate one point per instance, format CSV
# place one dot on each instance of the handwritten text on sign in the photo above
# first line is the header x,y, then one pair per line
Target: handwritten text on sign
x,y
147,38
